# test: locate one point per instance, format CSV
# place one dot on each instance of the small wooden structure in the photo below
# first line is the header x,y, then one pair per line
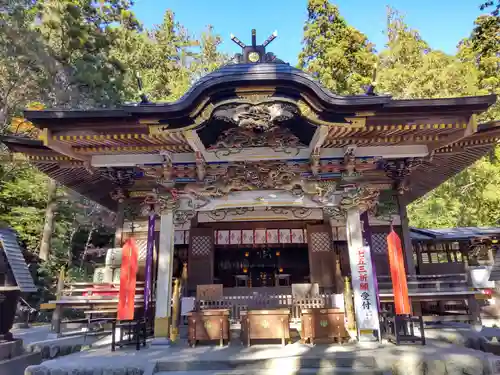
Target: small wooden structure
x,y
265,325
319,325
208,325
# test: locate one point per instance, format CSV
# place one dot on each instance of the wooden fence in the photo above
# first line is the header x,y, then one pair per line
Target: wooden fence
x,y
236,304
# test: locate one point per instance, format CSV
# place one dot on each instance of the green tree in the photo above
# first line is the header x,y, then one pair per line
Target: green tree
x,y
334,52
482,49
24,63
208,58
81,35
409,68
169,77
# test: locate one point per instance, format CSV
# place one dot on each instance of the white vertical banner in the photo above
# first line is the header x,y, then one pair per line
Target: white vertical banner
x,y
165,266
363,286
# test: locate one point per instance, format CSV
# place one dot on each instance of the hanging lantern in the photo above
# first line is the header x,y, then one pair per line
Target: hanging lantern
x,y
245,270
281,269
247,254
278,253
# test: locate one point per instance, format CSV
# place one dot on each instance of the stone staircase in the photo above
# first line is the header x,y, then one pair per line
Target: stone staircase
x,y
339,364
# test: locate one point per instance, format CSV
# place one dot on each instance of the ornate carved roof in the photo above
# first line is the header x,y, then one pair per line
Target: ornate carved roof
x,y
252,113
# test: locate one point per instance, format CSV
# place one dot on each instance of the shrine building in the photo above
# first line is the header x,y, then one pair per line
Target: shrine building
x,y
259,179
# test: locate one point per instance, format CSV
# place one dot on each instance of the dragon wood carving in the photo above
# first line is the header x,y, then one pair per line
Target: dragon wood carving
x,y
256,117
365,198
270,175
277,138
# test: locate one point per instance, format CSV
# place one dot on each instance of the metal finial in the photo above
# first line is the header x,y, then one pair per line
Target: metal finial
x,y
255,53
237,41
370,90
273,36
254,38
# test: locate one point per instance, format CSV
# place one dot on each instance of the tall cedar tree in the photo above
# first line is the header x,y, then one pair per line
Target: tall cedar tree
x,y
81,35
334,52
410,69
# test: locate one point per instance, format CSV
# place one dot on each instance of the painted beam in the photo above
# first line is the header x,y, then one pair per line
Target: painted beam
x,y
258,154
457,136
60,147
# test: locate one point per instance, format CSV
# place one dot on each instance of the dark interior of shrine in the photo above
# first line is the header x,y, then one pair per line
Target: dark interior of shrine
x,y
266,266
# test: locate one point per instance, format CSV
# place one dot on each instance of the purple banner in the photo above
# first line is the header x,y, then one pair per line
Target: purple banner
x,y
149,262
367,238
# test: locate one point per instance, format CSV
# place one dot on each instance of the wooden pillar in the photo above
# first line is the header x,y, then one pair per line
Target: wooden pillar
x,y
349,305
184,280
406,240
174,332
120,220
57,314
471,301
164,279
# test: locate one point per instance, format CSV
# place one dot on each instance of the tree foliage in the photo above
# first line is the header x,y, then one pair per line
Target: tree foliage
x,y
80,54
334,52
409,68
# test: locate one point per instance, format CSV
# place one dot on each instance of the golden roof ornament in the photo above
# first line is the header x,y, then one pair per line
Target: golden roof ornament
x,y
255,53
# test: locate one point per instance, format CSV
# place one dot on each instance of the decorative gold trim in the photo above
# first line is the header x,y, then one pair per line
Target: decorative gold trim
x,y
203,116
355,122
139,194
258,203
50,158
145,121
395,139
416,126
117,149
352,122
158,130
310,102
255,98
199,107
254,89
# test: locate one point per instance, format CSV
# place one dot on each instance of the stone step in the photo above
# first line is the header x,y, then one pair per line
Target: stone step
x,y
11,349
293,363
301,371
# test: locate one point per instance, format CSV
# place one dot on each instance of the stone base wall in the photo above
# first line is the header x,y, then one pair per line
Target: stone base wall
x,y
17,365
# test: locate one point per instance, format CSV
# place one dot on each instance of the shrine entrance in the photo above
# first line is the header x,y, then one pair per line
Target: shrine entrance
x,y
262,266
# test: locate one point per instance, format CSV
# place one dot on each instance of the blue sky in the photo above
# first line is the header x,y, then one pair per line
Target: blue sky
x,y
442,23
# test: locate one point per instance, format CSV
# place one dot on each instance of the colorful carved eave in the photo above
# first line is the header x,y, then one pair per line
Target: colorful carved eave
x,y
72,173
447,161
253,113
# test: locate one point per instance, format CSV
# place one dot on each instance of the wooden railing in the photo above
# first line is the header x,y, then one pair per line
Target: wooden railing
x,y
236,304
428,284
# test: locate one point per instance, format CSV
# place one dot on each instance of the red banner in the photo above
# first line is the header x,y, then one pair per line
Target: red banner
x,y
398,274
128,274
